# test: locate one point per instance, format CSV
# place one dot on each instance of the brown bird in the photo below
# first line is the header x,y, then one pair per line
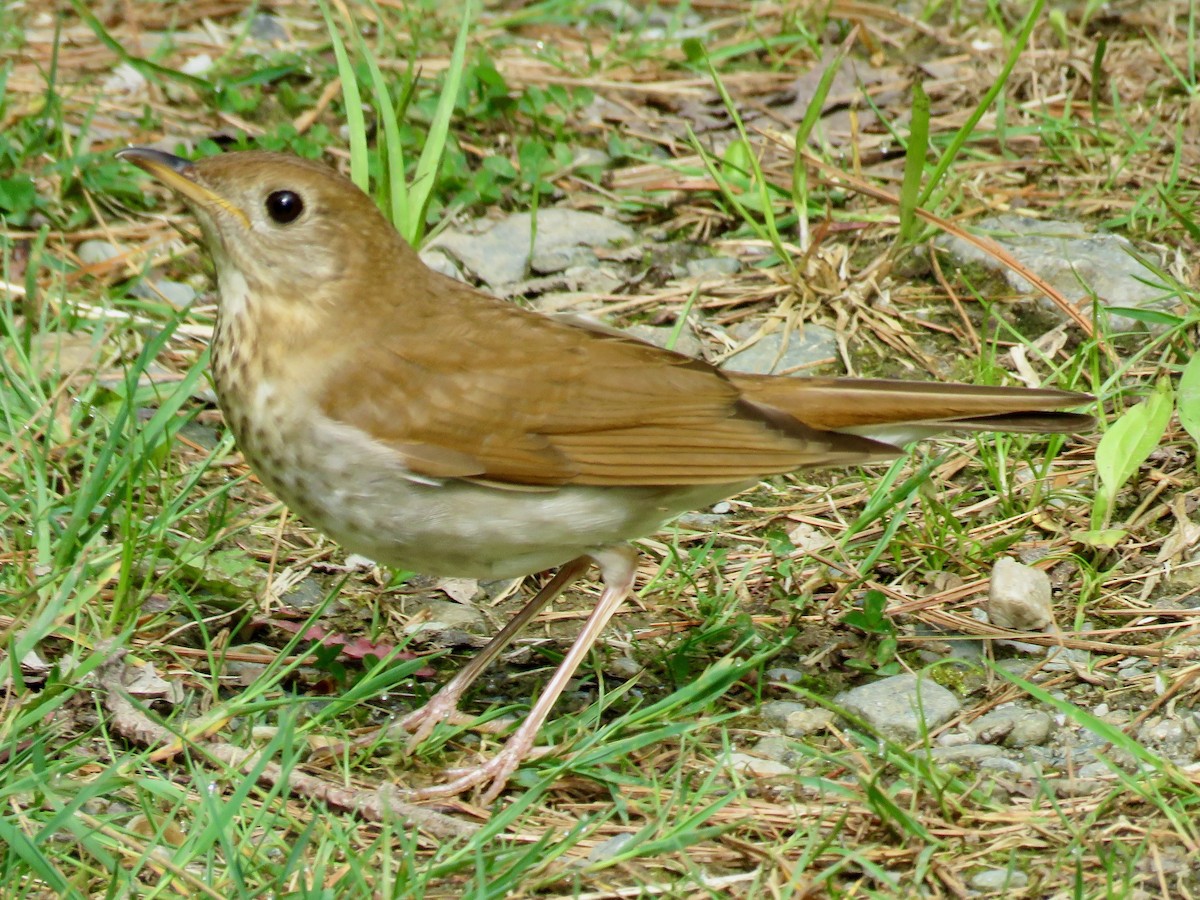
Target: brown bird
x,y
431,427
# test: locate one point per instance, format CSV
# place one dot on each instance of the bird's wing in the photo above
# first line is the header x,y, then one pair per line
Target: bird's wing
x,y
514,397
464,385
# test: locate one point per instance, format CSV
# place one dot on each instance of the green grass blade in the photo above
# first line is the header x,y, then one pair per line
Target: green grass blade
x,y
356,122
392,175
960,137
430,161
914,162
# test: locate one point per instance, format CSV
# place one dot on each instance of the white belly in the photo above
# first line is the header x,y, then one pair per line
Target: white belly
x,y
359,493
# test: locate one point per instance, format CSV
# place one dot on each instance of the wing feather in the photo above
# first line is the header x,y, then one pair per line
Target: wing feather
x,y
509,396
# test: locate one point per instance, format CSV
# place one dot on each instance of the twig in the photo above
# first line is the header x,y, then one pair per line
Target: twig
x,y
134,725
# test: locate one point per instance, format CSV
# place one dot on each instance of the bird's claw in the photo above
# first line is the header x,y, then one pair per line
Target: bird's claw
x,y
494,773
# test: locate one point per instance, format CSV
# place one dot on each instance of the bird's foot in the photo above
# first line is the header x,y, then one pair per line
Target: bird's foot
x,y
494,773
420,722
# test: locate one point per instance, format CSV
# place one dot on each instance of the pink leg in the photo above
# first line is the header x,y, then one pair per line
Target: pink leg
x,y
618,567
444,704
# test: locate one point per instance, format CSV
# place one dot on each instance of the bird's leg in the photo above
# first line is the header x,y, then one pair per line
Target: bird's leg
x,y
618,567
444,704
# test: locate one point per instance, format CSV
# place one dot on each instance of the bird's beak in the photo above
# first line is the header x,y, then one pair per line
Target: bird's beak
x,y
179,175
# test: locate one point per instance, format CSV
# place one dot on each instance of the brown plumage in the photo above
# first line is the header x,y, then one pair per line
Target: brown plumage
x,y
429,426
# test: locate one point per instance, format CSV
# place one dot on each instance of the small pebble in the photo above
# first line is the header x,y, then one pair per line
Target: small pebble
x,y
197,65
809,721
1000,764
606,850
998,879
622,667
175,293
713,266
775,713
967,753
903,707
1019,597
267,28
776,748
96,251
756,767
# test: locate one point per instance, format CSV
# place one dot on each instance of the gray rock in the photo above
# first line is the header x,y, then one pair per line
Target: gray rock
x,y
806,346
622,667
713,267
755,766
308,593
1172,736
1019,597
775,747
784,675
558,259
660,336
1013,726
1000,764
1077,262
966,754
96,251
903,707
618,10
200,64
696,521
998,879
1094,771
612,847
651,24
593,279
267,28
443,615
175,293
501,254
1077,787
441,262
1024,667
125,80
956,737
1062,659
809,721
1031,729
948,646
775,713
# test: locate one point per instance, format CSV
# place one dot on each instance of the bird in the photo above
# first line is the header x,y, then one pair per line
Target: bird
x,y
429,426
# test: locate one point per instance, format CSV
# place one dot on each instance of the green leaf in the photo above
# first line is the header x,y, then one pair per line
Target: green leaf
x,y
1187,399
872,616
1104,539
1151,316
17,195
1126,445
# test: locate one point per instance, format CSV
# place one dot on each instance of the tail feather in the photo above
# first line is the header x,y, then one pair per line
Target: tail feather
x,y
898,412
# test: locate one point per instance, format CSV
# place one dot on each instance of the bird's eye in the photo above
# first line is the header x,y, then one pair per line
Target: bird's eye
x,y
284,206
